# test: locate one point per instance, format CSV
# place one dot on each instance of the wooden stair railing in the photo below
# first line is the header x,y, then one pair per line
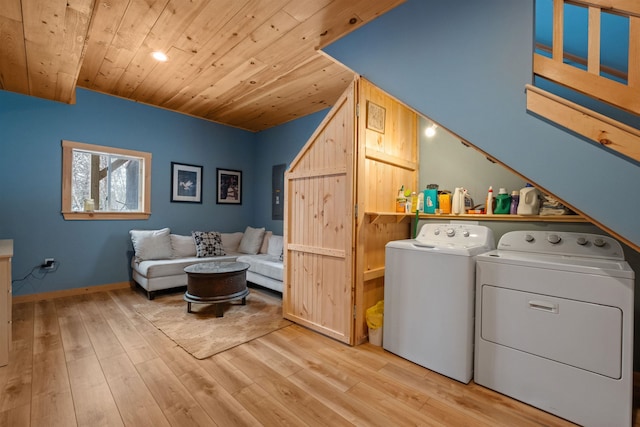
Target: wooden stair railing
x,y
621,138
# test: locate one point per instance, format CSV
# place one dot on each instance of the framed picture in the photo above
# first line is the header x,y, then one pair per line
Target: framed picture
x,y
229,186
186,183
375,117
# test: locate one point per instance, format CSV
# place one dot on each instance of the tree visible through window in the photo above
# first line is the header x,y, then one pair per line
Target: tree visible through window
x,y
102,182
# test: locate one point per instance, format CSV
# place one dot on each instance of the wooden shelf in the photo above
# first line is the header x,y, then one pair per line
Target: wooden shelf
x,y
385,217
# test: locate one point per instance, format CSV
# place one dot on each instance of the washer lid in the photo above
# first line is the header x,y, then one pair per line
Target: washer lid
x,y
452,248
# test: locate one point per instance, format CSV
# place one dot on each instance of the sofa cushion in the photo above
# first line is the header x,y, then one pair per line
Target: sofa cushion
x,y
208,243
182,246
251,240
264,264
151,244
172,267
265,242
231,241
275,246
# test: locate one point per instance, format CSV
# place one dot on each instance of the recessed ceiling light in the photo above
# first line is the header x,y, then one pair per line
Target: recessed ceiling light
x,y
159,56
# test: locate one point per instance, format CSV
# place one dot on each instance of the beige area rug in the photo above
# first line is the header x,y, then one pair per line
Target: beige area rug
x,y
202,334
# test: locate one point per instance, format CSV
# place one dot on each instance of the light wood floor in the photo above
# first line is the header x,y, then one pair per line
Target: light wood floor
x,y
92,360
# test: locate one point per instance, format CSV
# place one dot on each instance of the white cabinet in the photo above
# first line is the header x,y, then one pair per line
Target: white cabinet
x,y
6,252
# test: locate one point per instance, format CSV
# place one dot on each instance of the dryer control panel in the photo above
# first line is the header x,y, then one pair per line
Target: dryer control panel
x,y
562,243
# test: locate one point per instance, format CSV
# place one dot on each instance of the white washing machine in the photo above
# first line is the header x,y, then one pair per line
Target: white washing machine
x,y
554,325
429,287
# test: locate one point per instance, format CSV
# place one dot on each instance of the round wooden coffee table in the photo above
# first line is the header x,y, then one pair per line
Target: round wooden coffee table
x,y
216,283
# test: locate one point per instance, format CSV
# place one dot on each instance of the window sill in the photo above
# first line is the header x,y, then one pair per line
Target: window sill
x,y
83,216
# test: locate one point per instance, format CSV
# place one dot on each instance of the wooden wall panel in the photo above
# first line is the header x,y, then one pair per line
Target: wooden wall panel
x,y
391,158
319,224
387,160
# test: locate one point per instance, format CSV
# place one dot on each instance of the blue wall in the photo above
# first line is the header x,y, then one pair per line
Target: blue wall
x,y
464,64
95,252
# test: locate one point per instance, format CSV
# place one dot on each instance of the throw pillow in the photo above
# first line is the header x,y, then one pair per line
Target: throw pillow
x,y
276,244
182,246
265,242
151,244
231,241
208,243
251,240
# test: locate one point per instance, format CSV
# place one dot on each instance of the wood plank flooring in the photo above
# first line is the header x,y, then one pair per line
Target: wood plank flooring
x,y
92,360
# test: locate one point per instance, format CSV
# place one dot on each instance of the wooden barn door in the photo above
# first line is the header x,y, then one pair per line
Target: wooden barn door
x,y
319,226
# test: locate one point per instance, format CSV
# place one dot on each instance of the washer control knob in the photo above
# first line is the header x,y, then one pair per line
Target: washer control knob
x,y
599,242
436,231
528,238
554,239
465,233
581,241
451,232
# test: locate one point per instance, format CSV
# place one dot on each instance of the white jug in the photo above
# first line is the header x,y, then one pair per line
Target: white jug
x,y
529,203
457,204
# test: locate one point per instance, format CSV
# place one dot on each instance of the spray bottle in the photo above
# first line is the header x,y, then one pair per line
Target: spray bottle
x,y
489,204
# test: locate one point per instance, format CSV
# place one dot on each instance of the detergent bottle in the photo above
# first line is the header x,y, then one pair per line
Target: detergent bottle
x,y
529,203
503,202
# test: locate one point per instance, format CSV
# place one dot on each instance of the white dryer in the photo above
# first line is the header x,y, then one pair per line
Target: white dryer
x,y
429,287
554,325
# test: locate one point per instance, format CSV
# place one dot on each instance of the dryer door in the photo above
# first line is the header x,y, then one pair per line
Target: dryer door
x,y
585,335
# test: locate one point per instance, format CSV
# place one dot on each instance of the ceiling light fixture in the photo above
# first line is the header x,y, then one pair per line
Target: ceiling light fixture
x,y
159,56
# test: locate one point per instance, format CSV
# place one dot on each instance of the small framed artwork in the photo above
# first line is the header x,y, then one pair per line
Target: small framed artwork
x,y
375,117
186,183
229,186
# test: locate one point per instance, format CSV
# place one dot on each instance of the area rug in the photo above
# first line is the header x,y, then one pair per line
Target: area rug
x,y
202,334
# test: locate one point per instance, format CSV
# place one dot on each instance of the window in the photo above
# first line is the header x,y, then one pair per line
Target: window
x,y
105,183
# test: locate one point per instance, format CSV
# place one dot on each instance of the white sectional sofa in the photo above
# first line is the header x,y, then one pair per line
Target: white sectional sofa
x,y
160,257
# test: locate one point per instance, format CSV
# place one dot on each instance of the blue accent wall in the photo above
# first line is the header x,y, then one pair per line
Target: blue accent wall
x,y
464,64
93,253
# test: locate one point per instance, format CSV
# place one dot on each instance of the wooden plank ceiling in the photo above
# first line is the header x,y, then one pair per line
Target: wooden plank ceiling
x,y
251,64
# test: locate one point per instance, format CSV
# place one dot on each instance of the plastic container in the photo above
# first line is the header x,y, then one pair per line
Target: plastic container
x,y
430,200
374,316
529,203
414,202
444,202
489,202
457,203
503,202
515,197
401,201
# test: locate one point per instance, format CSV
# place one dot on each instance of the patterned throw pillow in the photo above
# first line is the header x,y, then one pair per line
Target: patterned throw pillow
x,y
208,243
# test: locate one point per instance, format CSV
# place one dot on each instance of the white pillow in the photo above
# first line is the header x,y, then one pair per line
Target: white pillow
x,y
251,240
276,244
265,242
151,244
182,246
231,241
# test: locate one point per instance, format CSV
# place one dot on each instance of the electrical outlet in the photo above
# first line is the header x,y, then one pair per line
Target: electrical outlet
x,y
48,263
